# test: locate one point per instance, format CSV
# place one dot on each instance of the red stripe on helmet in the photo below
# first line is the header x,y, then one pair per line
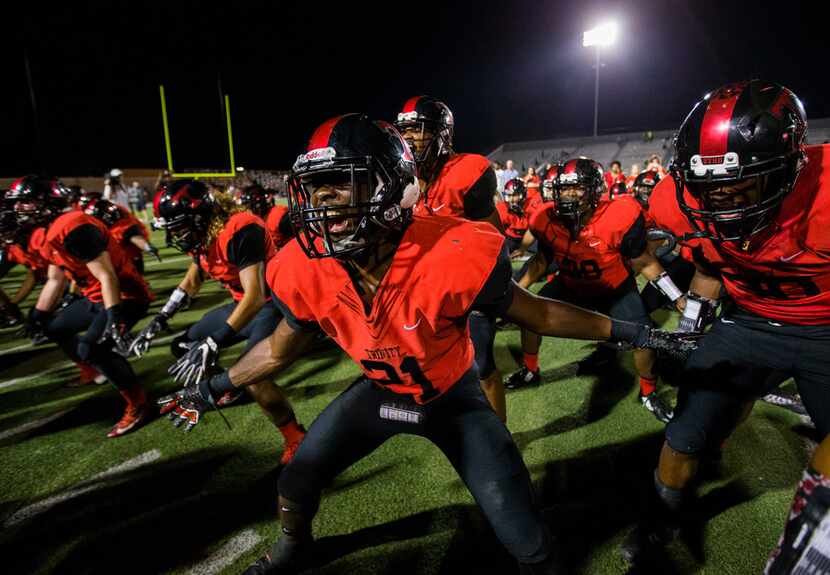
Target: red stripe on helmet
x,y
410,104
714,129
320,137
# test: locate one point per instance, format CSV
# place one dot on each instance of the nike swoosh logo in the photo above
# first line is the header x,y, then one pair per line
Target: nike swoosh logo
x,y
594,244
436,208
796,254
411,327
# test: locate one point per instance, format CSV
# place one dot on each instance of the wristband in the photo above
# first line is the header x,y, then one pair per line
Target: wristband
x,y
177,299
667,287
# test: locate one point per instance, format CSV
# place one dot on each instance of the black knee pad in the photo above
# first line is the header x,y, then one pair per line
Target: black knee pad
x,y
299,487
180,345
686,438
483,334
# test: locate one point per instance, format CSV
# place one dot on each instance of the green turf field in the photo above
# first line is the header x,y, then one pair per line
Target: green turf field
x,y
160,501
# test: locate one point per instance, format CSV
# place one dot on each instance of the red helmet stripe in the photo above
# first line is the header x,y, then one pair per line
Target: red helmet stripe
x,y
714,130
410,104
320,137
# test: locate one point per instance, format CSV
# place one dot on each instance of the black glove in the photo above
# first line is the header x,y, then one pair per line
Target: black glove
x,y
35,326
188,404
151,249
116,330
142,341
676,344
68,298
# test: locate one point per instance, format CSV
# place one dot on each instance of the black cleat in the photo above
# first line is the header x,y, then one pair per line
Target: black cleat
x,y
657,406
523,378
287,555
646,541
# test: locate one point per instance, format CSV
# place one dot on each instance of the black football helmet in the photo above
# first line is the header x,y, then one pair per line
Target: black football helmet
x,y
37,201
547,183
86,197
353,186
257,199
433,121
184,209
581,174
515,194
738,153
643,186
105,211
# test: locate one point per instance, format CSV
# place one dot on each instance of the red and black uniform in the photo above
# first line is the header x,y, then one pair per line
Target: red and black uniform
x,y
414,347
592,267
464,187
780,320
242,242
278,224
28,256
127,227
72,241
515,225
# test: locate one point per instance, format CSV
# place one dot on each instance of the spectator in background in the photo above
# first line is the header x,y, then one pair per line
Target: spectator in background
x,y
500,181
137,196
114,190
532,182
615,176
654,164
509,171
635,171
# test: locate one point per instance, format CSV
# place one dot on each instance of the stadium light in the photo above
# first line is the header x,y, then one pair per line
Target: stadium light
x,y
604,35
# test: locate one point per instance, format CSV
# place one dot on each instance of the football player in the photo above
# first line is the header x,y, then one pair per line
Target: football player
x,y
113,294
128,231
754,202
515,210
461,185
261,202
598,246
394,291
230,245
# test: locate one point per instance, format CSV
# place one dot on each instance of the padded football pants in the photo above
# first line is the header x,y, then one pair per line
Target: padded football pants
x,y
735,363
460,423
84,316
261,325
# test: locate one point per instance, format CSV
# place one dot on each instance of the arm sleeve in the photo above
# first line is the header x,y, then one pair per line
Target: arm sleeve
x,y
633,243
478,201
496,294
5,263
247,246
292,320
86,242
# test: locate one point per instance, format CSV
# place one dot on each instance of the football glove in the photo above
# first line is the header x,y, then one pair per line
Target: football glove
x,y
151,249
35,326
699,312
675,344
142,341
188,404
116,331
11,315
193,365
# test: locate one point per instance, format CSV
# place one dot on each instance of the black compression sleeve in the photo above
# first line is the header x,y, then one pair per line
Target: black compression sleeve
x,y
247,246
478,201
86,242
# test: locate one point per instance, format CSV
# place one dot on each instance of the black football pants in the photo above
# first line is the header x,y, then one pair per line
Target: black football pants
x,y
261,325
84,316
734,364
460,423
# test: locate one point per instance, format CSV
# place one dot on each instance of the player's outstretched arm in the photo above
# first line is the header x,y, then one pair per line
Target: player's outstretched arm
x,y
267,358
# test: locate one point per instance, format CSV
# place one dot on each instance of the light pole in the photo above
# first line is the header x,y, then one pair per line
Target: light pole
x,y
603,35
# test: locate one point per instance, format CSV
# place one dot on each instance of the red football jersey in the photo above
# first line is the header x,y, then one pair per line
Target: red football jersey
x,y
120,227
514,225
784,274
445,197
415,340
31,256
214,260
131,283
591,263
272,224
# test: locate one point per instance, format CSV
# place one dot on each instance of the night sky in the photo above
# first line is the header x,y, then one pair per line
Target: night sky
x,y
508,70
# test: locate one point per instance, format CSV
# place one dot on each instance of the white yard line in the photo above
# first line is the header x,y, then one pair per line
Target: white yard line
x,y
227,554
25,378
30,425
83,487
167,261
